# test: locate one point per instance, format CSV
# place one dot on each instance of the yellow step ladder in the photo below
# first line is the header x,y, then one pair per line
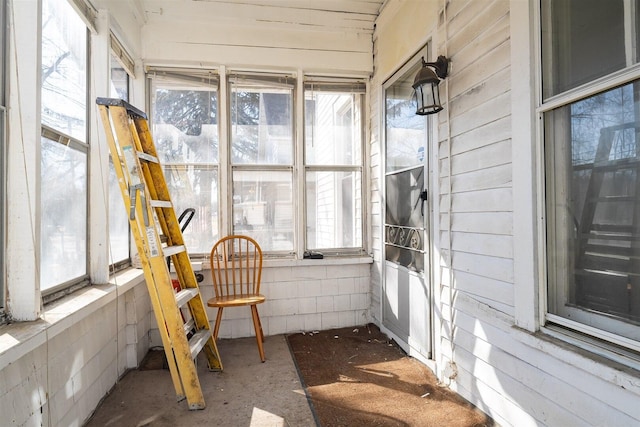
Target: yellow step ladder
x,y
148,204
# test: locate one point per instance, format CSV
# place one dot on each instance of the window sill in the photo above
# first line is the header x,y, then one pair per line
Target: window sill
x,y
17,339
290,262
615,356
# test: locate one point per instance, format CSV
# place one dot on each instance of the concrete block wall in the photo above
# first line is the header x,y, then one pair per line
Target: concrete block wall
x,y
304,297
22,395
55,371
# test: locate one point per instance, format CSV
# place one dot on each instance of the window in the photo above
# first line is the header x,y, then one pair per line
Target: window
x,y
185,130
64,148
271,183
119,236
333,165
592,166
261,139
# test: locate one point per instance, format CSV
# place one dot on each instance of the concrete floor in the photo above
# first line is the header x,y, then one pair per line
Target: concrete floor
x,y
247,393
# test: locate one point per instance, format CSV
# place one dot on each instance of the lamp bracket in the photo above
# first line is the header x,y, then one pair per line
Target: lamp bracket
x,y
441,66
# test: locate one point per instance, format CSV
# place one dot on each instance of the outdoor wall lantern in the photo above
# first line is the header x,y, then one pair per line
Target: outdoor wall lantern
x,y
425,85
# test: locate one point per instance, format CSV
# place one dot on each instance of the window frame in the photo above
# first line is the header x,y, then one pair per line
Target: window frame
x,y
600,341
3,153
119,54
212,79
355,87
61,289
270,81
297,169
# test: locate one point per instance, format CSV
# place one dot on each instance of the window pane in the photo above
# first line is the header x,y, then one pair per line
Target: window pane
x,y
334,213
261,124
406,138
405,232
263,208
64,69
185,123
406,132
118,220
332,128
185,130
593,208
195,187
64,214
582,40
119,80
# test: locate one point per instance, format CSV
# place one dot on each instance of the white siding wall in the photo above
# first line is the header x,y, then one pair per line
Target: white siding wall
x,y
478,217
518,377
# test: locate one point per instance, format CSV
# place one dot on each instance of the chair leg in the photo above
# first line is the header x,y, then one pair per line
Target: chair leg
x,y
259,324
216,328
258,327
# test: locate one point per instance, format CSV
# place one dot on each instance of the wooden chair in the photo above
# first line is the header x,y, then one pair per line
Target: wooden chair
x,y
236,268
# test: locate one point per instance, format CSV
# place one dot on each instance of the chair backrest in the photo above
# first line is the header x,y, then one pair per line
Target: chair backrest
x,y
236,266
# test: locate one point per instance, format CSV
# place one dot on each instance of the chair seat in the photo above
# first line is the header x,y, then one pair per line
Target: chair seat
x,y
236,301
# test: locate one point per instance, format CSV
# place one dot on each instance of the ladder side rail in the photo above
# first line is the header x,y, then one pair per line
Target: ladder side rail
x,y
167,217
175,326
170,223
124,179
171,228
596,179
173,317
142,179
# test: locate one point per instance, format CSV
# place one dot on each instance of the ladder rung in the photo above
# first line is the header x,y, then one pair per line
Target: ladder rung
x,y
161,204
198,341
188,326
610,273
172,250
612,199
616,228
186,295
596,235
147,157
610,165
611,250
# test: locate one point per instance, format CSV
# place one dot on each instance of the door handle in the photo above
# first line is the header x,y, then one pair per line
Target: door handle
x,y
423,197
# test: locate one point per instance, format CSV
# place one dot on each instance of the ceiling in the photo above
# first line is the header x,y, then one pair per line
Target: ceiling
x,y
345,15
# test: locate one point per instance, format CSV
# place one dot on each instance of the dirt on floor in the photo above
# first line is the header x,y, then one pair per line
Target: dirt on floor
x,y
359,377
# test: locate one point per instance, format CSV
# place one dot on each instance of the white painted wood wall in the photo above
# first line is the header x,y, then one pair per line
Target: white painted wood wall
x,y
519,378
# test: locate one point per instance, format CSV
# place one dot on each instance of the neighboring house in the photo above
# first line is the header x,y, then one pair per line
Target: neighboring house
x,y
514,276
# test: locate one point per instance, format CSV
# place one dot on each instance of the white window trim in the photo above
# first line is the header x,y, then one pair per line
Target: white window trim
x,y
524,159
3,153
23,163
